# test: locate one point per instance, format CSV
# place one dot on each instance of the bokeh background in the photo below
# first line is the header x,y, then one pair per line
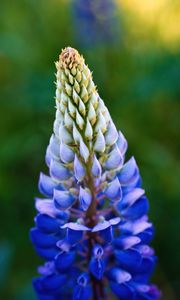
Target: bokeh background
x,y
133,49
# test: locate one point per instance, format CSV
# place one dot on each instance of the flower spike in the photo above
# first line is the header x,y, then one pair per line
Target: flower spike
x,y
91,227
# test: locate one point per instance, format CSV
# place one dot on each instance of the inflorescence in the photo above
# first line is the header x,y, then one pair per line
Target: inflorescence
x,y
92,227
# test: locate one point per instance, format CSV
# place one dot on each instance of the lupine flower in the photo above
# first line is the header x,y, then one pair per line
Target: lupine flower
x,y
92,227
96,21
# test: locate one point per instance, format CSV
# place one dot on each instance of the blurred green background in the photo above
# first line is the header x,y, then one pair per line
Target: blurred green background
x,y
133,49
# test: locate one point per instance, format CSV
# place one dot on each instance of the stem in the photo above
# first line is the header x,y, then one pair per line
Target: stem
x,y
97,285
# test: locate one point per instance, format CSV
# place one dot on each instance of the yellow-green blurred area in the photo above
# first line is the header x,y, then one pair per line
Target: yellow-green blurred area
x,y
134,53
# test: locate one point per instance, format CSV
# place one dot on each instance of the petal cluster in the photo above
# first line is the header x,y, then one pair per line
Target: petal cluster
x,y
91,227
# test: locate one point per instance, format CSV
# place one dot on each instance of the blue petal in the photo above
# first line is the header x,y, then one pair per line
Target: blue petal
x,y
63,199
126,242
74,232
58,171
128,259
79,170
54,146
81,293
41,239
64,260
97,267
130,198
49,253
46,185
46,206
114,221
53,283
102,225
85,198
118,275
137,210
111,135
47,269
147,235
37,284
76,226
82,290
129,172
135,226
147,265
147,292
96,167
113,190
107,235
47,223
98,251
66,154
123,291
114,160
84,151
122,143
